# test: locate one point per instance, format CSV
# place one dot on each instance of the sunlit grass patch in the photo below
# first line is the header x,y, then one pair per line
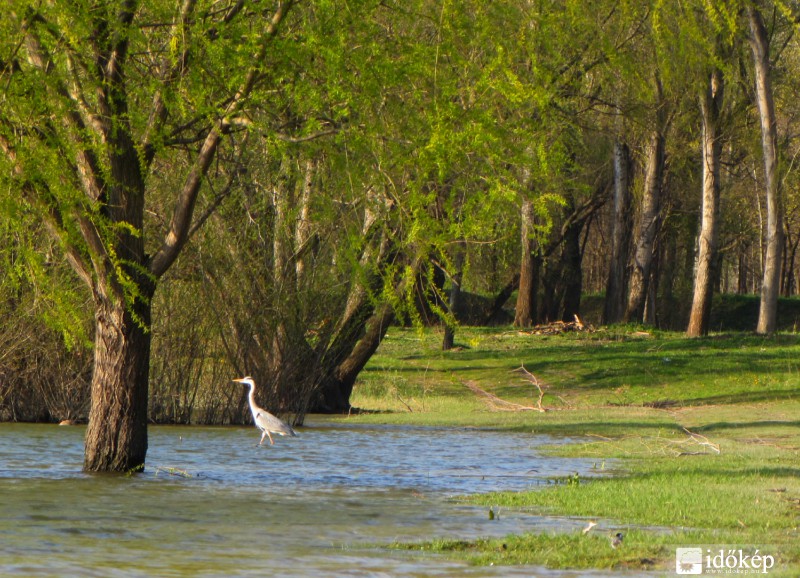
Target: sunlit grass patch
x,y
610,367
640,550
703,434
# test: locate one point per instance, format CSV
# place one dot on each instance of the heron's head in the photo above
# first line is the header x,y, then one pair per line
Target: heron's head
x,y
246,380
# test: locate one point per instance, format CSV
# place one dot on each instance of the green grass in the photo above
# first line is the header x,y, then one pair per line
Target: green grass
x,y
705,434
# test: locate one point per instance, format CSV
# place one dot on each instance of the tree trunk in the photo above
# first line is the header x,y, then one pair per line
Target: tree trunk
x,y
338,389
362,324
790,281
454,298
116,438
303,234
287,335
741,283
572,277
614,306
711,109
651,208
500,299
770,287
528,272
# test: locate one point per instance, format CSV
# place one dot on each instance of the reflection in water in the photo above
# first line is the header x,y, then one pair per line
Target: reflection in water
x,y
307,506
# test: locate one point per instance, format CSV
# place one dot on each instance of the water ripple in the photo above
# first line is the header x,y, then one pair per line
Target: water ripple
x,y
213,503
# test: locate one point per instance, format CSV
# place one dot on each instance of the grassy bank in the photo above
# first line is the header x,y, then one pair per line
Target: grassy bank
x,y
707,432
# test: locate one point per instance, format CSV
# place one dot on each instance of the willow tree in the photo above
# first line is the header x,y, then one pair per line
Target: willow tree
x,y
107,105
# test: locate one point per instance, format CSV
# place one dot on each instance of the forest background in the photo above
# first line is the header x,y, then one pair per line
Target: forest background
x,y
202,189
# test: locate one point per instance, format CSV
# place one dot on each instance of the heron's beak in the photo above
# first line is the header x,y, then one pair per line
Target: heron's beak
x,y
240,380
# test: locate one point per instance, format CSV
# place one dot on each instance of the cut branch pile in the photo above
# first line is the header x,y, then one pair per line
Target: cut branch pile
x,y
559,327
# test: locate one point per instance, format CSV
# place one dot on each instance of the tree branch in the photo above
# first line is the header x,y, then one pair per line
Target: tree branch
x,y
181,222
174,70
53,221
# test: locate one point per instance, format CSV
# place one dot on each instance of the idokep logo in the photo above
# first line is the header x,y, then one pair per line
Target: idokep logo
x,y
689,561
720,560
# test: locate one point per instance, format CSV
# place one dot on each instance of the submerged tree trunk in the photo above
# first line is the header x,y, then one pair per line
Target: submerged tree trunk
x,y
116,438
648,228
614,306
770,287
525,310
711,109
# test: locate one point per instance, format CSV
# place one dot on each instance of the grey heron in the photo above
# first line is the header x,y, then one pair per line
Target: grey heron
x,y
265,421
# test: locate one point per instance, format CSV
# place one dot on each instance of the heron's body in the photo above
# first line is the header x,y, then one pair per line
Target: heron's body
x,y
265,421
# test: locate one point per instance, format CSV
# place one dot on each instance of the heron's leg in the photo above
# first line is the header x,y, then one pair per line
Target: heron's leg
x,y
262,437
271,441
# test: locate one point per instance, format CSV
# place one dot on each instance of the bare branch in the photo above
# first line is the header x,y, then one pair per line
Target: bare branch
x,y
310,137
535,381
218,198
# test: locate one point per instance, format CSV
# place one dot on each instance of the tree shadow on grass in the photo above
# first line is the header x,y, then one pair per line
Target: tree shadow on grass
x,y
611,428
723,473
743,397
722,425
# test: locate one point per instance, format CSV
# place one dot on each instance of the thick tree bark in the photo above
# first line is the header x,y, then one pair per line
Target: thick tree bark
x,y
616,288
525,310
648,228
770,286
116,438
711,109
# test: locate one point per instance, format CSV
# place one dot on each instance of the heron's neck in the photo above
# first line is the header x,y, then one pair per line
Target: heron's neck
x,y
252,397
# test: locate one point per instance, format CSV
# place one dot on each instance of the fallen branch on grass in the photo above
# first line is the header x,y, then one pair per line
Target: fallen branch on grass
x,y
494,402
498,404
699,440
528,376
660,444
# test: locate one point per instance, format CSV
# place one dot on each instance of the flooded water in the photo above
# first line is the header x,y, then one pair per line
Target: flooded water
x,y
212,503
